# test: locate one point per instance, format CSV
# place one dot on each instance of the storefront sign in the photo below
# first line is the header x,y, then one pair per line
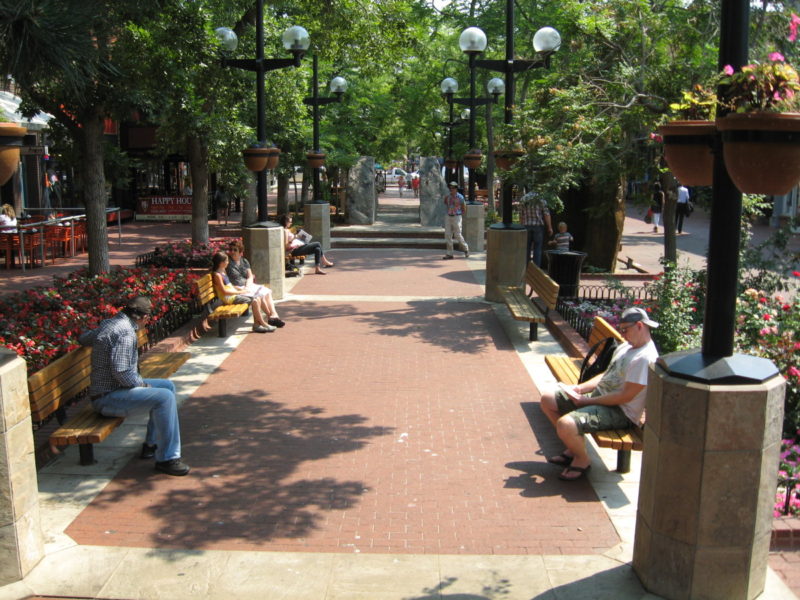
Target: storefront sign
x,y
164,208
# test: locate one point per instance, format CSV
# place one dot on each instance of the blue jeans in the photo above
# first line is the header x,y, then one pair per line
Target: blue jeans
x,y
163,428
535,243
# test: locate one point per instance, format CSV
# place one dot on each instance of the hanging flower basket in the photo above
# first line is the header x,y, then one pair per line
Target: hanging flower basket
x,y
762,151
315,159
255,159
451,163
687,150
472,159
505,159
274,157
11,136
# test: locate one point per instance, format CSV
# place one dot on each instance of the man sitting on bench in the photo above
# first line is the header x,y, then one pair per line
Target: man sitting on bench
x,y
614,399
118,390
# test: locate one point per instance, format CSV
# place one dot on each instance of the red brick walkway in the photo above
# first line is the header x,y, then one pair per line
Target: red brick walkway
x,y
368,426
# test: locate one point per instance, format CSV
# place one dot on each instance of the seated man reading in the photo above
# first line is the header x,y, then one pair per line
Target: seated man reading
x,y
612,400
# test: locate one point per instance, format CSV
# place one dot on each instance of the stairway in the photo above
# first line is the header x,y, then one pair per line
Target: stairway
x,y
396,226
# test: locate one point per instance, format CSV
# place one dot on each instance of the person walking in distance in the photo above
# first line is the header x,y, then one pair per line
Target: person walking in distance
x,y
455,207
682,207
535,216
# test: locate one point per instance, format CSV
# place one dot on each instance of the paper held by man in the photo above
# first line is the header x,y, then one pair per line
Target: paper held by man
x,y
569,391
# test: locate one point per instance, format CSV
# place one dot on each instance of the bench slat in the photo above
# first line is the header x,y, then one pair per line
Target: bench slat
x,y
160,365
565,369
86,427
541,284
520,305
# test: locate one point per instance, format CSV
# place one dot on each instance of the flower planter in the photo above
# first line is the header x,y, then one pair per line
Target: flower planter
x,y
472,159
762,151
255,159
274,157
505,159
11,136
687,150
315,159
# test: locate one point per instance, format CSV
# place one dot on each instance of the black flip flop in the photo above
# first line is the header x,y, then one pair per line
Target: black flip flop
x,y
571,469
562,460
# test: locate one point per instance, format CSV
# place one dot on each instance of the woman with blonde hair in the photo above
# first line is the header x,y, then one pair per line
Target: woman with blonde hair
x,y
8,219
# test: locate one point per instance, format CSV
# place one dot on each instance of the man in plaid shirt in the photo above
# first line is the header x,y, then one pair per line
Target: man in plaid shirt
x,y
533,214
118,390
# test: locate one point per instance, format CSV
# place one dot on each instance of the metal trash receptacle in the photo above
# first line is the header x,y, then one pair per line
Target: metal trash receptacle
x,y
564,267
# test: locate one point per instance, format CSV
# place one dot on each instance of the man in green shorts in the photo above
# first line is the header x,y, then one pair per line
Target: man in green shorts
x,y
612,400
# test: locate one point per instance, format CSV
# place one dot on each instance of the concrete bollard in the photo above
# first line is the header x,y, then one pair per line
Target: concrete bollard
x,y
21,540
505,260
709,472
264,249
475,227
318,224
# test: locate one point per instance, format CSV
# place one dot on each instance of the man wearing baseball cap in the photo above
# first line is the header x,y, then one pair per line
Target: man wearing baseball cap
x,y
117,389
614,399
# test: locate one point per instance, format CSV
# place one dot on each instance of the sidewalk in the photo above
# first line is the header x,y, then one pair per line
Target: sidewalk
x,y
387,443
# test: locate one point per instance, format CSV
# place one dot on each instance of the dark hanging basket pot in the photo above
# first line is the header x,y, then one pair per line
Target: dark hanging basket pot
x,y
315,159
451,163
274,157
472,159
255,159
11,136
687,150
505,159
762,151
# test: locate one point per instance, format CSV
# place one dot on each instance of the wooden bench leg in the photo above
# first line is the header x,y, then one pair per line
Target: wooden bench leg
x,y
534,332
87,454
623,461
223,327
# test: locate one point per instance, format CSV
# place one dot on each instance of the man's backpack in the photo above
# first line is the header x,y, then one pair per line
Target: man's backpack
x,y
598,358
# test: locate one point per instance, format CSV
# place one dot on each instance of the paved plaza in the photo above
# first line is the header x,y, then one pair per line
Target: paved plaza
x,y
386,444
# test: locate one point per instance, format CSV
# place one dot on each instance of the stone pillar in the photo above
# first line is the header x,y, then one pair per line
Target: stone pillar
x,y
263,248
432,190
250,204
475,227
505,260
318,223
708,482
21,541
361,197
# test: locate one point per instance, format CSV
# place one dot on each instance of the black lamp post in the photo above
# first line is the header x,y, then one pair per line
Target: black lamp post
x,y
338,86
449,87
295,40
545,42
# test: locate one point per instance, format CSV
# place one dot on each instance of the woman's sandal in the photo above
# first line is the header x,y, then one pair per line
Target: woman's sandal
x,y
562,459
581,471
329,266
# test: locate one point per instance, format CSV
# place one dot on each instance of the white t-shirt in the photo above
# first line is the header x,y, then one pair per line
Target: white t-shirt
x,y
629,364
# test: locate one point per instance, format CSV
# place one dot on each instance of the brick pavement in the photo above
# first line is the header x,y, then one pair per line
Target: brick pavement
x,y
363,426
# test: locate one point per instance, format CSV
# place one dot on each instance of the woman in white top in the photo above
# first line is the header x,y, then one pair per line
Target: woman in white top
x,y
8,219
297,247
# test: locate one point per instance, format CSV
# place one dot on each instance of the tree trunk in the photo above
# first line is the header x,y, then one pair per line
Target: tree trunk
x,y
90,138
198,159
282,200
596,219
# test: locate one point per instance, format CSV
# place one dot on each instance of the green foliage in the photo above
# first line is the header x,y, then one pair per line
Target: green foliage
x,y
679,294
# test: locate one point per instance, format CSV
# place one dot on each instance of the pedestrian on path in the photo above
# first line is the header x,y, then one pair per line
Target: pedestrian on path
x,y
456,206
682,207
117,389
611,400
535,216
657,205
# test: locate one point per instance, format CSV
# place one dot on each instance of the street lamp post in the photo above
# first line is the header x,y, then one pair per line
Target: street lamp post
x,y
545,42
295,40
449,87
338,86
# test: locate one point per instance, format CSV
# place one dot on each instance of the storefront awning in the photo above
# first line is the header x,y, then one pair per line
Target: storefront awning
x,y
10,105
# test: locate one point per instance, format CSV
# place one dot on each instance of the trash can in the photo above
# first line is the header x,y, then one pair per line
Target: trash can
x,y
565,269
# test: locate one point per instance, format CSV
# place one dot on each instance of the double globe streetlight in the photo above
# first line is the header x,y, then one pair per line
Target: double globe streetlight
x,y
449,87
295,40
472,41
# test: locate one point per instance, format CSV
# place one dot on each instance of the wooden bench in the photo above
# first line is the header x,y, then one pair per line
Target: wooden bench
x,y
68,377
567,370
520,303
216,311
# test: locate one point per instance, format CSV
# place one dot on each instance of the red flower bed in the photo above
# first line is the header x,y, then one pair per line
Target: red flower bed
x,y
43,323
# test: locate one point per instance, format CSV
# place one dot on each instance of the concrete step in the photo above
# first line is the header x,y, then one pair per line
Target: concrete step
x,y
388,242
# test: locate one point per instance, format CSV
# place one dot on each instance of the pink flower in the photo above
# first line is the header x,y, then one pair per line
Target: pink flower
x,y
793,371
764,331
728,70
793,27
776,57
767,317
